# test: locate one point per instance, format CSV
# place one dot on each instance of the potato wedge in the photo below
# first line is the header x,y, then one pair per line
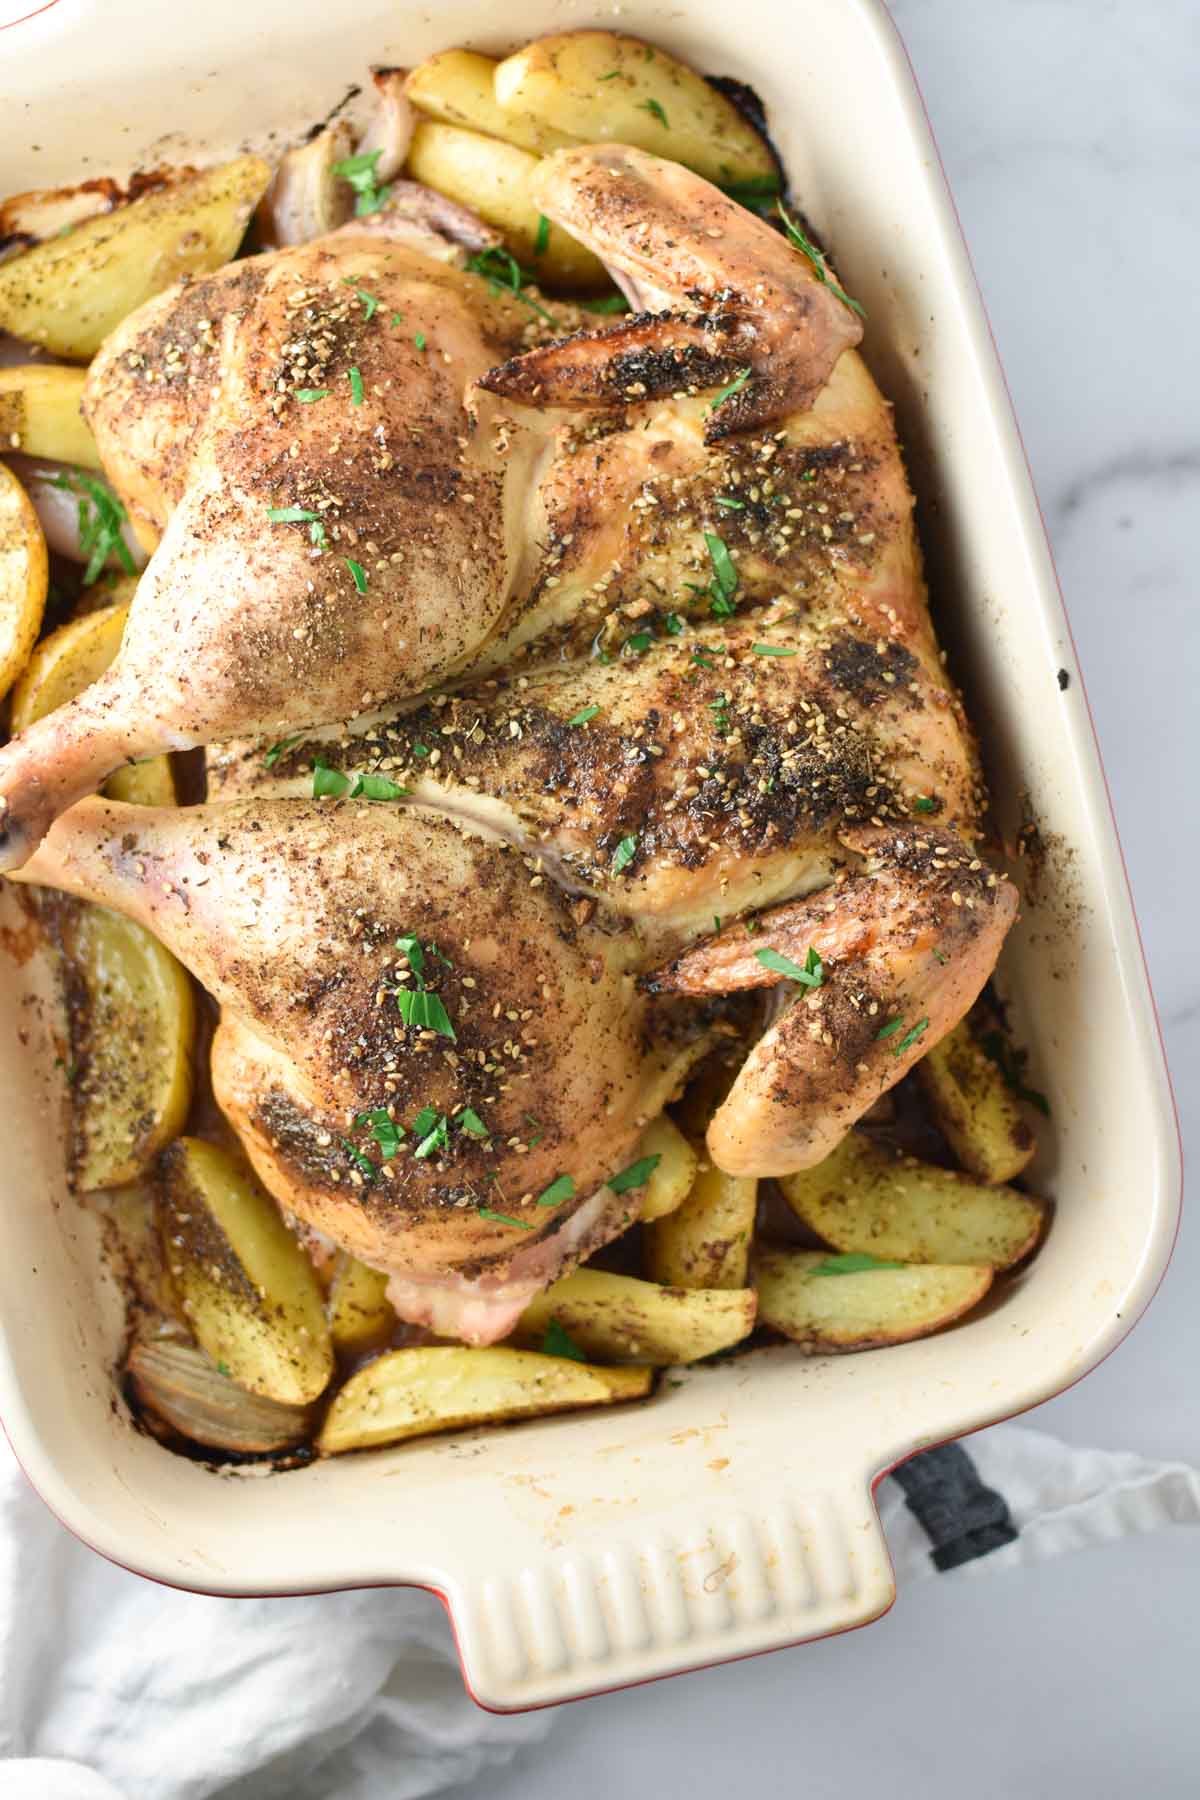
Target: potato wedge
x,y
69,292
456,87
705,1243
864,1197
182,1387
39,414
246,1287
979,1117
492,178
132,1016
617,1318
671,1180
65,663
360,1317
411,1393
24,577
861,1311
603,87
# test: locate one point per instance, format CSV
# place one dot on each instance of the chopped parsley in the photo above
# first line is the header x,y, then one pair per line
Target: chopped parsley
x,y
424,1011
724,584
810,973
101,517
499,1218
729,503
356,385
910,1037
754,194
654,108
360,172
383,1129
277,750
307,395
726,393
938,957
436,1137
543,235
560,1189
291,515
316,532
504,274
357,572
377,787
420,749
639,642
820,266
358,1159
924,804
772,650
853,1262
636,1175
624,854
370,302
469,1121
413,953
222,1367
419,340
556,1341
328,784
673,625
611,76
583,715
886,1031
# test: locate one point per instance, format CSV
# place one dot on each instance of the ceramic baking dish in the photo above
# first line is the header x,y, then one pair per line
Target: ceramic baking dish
x,y
733,1513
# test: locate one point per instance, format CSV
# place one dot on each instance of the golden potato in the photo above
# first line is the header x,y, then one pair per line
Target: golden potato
x,y
39,414
65,663
705,1242
69,292
181,1386
24,577
245,1286
860,1311
867,1198
977,1114
456,87
410,1393
670,1181
616,1318
131,1015
603,87
492,178
360,1317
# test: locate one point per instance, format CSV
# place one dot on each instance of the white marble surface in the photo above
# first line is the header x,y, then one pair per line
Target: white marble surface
x,y
1071,135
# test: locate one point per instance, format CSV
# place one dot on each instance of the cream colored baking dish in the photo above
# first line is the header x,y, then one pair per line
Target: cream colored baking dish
x,y
733,1513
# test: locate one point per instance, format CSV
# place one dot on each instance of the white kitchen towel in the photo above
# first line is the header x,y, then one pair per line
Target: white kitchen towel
x,y
112,1688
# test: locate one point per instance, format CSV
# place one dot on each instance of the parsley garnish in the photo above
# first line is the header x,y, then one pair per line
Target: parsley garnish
x,y
358,1159
724,584
222,1368
852,1262
413,953
437,1137
543,235
817,258
101,516
754,194
377,787
469,1121
583,715
277,750
560,1189
359,171
611,76
419,340
939,958
673,625
328,784
503,273
772,650
636,1175
356,385
316,532
383,1129
291,515
499,1218
729,503
424,1011
810,974
910,1037
358,573
611,303
654,108
726,393
887,1030
639,642
308,395
624,854
370,302
556,1341
924,804
1010,1063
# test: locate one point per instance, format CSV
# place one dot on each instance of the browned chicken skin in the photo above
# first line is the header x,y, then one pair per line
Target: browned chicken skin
x,y
672,646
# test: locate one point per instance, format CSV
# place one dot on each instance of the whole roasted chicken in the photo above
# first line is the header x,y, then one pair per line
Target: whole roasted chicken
x,y
638,708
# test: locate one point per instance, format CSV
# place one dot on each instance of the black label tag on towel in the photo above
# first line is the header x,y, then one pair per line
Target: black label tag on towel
x,y
961,1516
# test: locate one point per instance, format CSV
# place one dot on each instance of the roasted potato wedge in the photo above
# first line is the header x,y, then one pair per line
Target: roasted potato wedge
x,y
245,1286
705,1242
970,1100
39,414
456,87
360,1317
410,1393
670,1181
492,178
131,1015
860,1311
69,292
183,1388
603,87
65,663
617,1318
24,577
864,1197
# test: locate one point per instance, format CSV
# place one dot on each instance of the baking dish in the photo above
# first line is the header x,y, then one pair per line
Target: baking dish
x,y
733,1513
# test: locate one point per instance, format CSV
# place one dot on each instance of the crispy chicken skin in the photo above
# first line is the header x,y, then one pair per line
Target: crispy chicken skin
x,y
658,681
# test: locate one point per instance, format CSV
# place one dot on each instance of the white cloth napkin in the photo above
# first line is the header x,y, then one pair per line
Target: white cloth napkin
x,y
112,1688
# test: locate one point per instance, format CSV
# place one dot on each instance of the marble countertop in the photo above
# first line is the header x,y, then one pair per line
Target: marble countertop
x,y
1071,138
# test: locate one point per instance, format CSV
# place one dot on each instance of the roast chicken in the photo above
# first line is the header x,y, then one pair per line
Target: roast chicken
x,y
642,733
